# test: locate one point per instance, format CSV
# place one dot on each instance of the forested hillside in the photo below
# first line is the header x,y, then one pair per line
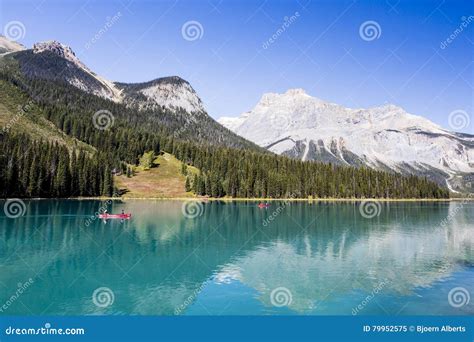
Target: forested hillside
x,y
32,167
48,76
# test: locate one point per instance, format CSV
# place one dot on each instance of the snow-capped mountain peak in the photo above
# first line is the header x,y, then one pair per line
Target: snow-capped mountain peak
x,y
385,137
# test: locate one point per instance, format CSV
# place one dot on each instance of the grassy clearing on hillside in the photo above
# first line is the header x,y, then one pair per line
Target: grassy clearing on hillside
x,y
162,181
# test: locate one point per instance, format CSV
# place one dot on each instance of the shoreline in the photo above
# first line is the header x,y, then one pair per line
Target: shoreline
x,y
240,199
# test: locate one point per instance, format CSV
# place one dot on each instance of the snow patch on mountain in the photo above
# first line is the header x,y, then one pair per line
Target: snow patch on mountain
x,y
309,128
233,122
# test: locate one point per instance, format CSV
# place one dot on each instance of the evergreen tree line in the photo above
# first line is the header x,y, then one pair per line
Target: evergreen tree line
x,y
224,171
243,173
44,169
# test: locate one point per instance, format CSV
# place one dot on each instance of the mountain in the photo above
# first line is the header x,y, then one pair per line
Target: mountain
x,y
68,132
53,61
388,138
165,103
172,93
7,46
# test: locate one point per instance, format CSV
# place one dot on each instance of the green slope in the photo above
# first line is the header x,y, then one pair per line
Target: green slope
x,y
19,114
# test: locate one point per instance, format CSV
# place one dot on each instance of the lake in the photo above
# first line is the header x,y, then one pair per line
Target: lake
x,y
234,258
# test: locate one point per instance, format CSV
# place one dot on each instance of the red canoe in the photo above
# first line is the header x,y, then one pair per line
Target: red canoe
x,y
263,205
115,216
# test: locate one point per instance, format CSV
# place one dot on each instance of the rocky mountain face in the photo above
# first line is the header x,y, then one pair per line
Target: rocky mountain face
x,y
7,46
171,93
168,101
55,61
386,137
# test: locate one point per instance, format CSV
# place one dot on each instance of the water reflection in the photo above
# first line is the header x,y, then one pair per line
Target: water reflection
x,y
326,254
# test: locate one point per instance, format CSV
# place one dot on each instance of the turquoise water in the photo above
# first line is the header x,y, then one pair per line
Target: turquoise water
x,y
232,259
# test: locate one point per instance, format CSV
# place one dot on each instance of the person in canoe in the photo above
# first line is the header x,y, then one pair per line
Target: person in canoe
x,y
106,215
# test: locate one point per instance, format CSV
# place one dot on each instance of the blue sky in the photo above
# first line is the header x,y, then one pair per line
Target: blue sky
x,y
321,50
